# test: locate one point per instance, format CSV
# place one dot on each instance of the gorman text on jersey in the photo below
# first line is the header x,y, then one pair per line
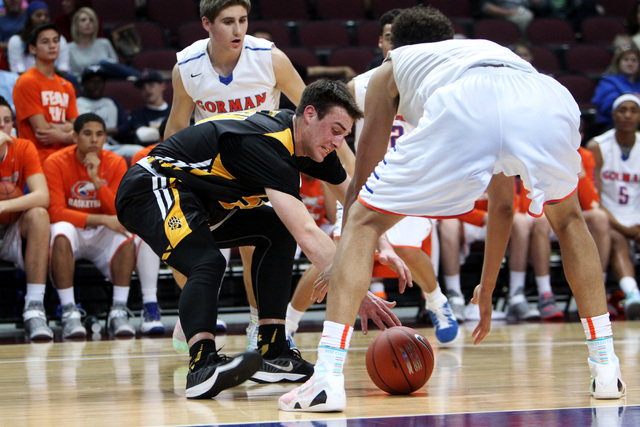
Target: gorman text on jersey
x,y
248,103
620,176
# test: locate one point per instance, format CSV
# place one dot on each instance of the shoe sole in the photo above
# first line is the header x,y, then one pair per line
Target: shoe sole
x,y
226,376
270,378
41,336
75,334
155,330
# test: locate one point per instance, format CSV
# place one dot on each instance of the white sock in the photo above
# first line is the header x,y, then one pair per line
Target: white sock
x,y
293,319
452,283
628,285
330,361
120,294
66,296
516,282
148,267
599,335
336,335
435,299
35,292
543,283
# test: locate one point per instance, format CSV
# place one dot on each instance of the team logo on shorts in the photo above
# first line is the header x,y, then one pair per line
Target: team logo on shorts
x,y
174,223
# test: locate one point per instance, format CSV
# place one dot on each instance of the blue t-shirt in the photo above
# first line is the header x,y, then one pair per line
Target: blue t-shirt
x,y
609,88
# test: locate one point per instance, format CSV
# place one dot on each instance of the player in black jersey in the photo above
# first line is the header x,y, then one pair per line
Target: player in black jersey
x,y
206,187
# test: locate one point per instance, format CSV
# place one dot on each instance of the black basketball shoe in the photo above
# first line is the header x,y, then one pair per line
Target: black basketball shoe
x,y
289,367
220,373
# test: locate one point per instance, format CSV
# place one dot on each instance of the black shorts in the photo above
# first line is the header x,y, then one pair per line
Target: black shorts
x,y
161,210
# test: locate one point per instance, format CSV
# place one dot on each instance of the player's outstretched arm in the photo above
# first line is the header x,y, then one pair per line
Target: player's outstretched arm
x,y
315,243
499,220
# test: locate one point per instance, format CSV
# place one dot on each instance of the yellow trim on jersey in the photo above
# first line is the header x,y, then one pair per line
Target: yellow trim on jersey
x,y
218,169
176,226
285,137
238,115
246,202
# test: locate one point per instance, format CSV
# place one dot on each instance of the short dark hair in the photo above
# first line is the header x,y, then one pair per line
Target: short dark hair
x,y
325,94
212,8
32,40
388,18
5,103
420,24
85,118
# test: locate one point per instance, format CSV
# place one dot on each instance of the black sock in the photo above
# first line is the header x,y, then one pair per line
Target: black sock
x,y
198,353
272,340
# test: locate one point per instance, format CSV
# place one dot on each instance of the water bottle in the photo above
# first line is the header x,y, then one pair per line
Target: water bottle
x,y
92,324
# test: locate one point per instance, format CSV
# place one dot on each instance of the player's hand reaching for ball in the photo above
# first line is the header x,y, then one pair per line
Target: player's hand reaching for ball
x,y
483,298
379,311
388,257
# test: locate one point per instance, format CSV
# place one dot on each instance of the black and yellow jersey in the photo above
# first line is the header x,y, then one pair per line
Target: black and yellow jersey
x,y
228,160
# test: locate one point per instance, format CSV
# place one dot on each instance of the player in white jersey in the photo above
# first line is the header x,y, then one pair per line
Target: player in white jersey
x,y
229,71
474,132
407,235
618,180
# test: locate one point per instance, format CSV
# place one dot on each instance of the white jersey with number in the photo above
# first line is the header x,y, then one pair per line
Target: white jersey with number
x,y
620,179
400,126
411,231
251,85
479,110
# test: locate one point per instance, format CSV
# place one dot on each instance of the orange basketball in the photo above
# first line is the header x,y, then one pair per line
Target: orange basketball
x,y
9,190
400,360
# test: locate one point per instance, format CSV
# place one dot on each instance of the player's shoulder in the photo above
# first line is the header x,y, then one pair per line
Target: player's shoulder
x,y
194,51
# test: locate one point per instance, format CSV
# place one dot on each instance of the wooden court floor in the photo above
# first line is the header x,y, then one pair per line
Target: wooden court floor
x,y
526,374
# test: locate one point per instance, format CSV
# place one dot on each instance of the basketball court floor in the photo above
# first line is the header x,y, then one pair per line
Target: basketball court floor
x,y
531,374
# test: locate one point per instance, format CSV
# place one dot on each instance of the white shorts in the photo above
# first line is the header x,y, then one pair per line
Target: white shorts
x,y
491,120
11,244
410,232
97,245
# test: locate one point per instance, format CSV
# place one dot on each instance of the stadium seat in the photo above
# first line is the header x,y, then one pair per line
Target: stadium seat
x,y
500,31
323,35
286,10
345,10
156,59
551,32
545,60
278,29
114,12
355,57
602,29
171,14
592,60
190,32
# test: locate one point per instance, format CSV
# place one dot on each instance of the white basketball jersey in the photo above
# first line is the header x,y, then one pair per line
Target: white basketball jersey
x,y
430,66
620,179
251,85
400,126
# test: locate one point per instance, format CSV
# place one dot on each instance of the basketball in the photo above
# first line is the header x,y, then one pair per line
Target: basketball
x,y
9,190
400,360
